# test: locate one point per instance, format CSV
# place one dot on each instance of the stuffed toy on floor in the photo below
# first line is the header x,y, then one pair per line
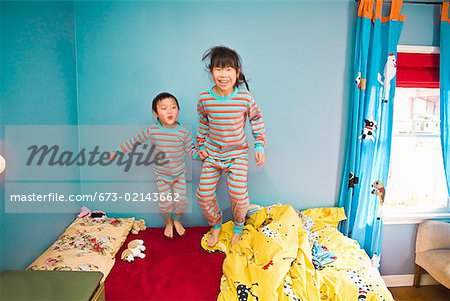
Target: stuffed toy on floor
x,y
138,226
135,248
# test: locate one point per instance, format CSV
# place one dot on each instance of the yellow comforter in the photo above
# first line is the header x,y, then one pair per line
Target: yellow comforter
x,y
273,260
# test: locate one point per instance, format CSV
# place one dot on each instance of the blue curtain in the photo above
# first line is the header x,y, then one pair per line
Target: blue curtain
x,y
444,79
368,147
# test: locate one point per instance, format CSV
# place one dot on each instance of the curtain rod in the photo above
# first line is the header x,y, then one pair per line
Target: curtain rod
x,y
413,2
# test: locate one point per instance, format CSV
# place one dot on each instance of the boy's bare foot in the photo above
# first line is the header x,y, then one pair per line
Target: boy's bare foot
x,y
236,237
168,231
179,228
214,237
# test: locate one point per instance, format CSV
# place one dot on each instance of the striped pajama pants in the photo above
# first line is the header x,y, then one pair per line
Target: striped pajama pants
x,y
236,169
174,185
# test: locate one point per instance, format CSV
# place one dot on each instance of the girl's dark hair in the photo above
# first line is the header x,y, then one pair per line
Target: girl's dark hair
x,y
162,96
221,56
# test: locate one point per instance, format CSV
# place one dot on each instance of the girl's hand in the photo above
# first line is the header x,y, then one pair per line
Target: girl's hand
x,y
260,158
203,154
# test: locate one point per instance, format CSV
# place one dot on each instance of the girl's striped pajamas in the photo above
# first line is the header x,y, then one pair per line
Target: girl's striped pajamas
x,y
175,143
222,134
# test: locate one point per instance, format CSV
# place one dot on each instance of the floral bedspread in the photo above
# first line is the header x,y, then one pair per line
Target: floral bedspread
x,y
86,245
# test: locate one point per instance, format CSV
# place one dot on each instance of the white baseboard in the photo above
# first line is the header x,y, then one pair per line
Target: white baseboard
x,y
408,280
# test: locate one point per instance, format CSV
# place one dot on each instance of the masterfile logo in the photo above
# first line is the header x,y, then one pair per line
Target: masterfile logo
x,y
59,168
54,156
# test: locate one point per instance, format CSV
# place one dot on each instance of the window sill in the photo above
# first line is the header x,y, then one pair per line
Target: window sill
x,y
412,218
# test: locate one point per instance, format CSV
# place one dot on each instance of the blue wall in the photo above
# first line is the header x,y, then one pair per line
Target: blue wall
x,y
128,52
37,87
422,24
104,61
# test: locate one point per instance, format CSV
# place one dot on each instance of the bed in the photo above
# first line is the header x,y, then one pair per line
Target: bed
x,y
285,254
88,244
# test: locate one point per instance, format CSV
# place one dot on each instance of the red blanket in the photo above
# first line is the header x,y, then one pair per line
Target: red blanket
x,y
177,269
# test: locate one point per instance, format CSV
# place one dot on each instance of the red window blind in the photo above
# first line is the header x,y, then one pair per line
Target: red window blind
x,y
417,70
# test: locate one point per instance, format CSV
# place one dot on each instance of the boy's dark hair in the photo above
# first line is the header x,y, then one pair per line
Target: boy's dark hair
x,y
162,96
221,56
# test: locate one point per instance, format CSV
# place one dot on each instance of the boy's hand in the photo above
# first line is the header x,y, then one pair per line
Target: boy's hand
x,y
112,156
260,158
203,154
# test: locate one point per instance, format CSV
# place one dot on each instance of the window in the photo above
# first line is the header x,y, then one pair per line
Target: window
x,y
416,175
416,182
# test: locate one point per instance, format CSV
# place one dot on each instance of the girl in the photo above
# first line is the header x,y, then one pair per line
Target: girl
x,y
223,110
174,140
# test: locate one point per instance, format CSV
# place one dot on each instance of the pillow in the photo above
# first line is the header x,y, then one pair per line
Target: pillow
x,y
330,215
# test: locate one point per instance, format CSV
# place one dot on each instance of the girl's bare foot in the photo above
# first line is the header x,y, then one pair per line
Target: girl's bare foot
x,y
168,231
179,228
214,237
236,237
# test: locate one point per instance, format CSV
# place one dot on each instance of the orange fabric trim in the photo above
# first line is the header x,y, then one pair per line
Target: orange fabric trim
x,y
395,11
365,9
378,9
394,15
444,14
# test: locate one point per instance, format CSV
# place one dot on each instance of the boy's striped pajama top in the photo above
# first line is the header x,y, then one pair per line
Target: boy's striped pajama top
x,y
221,133
175,143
